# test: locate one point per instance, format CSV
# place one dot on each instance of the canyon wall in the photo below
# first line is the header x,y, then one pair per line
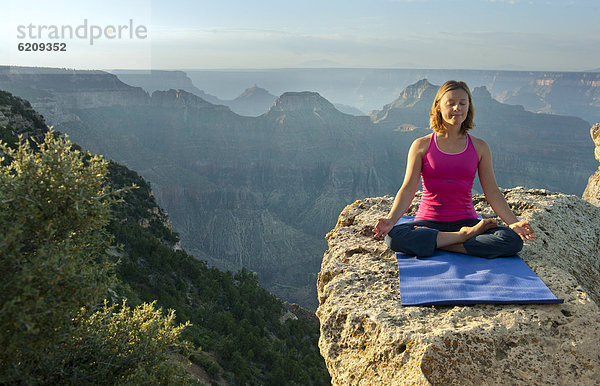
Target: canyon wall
x,y
260,192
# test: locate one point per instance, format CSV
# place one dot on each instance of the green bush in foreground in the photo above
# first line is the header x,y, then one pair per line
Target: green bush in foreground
x,y
124,345
54,207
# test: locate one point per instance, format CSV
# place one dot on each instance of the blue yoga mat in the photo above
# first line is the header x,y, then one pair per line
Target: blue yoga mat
x,y
448,278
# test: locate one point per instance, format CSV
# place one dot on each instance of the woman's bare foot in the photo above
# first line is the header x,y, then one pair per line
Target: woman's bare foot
x,y
479,228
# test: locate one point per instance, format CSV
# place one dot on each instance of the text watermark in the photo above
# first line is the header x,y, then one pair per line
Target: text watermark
x,y
85,31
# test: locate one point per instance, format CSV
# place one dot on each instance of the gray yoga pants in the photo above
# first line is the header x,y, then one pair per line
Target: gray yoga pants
x,y
496,242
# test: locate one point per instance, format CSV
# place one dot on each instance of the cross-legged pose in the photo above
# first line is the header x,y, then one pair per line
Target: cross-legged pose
x,y
446,162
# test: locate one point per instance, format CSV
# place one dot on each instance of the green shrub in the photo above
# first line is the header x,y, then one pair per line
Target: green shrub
x,y
54,206
125,346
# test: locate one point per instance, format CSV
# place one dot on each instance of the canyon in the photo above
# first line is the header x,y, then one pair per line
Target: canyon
x,y
261,191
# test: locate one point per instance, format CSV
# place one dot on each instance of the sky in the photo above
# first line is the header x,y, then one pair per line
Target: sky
x,y
545,35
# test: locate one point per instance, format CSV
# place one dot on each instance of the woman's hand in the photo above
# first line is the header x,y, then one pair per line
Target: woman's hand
x,y
383,227
523,229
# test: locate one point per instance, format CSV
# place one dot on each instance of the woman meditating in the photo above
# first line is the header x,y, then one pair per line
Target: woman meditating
x,y
446,161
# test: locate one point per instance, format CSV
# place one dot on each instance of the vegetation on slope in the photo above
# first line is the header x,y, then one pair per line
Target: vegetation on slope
x,y
54,206
232,317
55,210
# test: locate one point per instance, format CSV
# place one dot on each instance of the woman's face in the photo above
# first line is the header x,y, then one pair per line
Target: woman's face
x,y
454,107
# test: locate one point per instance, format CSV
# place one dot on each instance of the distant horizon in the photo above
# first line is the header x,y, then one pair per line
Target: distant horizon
x,y
298,68
502,35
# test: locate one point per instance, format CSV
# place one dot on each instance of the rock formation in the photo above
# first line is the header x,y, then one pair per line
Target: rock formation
x,y
576,94
181,99
367,337
300,101
57,93
163,80
254,192
568,93
252,102
260,192
17,117
592,191
411,107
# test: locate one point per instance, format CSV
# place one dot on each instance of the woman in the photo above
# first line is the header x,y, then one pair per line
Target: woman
x,y
447,160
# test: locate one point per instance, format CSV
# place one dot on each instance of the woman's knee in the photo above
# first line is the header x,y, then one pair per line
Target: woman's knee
x,y
513,240
394,238
511,243
389,242
418,242
501,242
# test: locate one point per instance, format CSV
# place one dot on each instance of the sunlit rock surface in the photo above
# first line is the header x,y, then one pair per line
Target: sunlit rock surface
x,y
367,337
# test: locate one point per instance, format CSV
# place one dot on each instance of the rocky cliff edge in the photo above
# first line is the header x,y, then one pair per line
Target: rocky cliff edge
x,y
367,337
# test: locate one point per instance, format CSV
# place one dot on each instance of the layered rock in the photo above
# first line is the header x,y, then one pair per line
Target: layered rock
x,y
301,101
163,80
569,93
409,110
58,93
367,337
181,99
254,192
592,190
252,102
261,191
20,118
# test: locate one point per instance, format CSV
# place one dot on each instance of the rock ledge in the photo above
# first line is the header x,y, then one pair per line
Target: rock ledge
x,y
367,337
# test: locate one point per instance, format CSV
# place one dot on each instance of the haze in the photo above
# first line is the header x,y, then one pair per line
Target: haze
x,y
554,35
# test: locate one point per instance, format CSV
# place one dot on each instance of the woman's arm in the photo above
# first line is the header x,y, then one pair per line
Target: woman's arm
x,y
494,196
406,193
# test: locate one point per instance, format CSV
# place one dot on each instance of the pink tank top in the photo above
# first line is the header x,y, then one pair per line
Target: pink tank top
x,y
447,183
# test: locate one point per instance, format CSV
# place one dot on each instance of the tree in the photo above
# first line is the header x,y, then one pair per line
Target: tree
x,y
125,346
54,206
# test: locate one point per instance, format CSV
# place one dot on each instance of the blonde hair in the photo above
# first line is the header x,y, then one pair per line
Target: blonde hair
x,y
435,117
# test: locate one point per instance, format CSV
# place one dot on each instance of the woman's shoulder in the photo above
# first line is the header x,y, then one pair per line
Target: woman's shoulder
x,y
420,145
480,145
422,142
